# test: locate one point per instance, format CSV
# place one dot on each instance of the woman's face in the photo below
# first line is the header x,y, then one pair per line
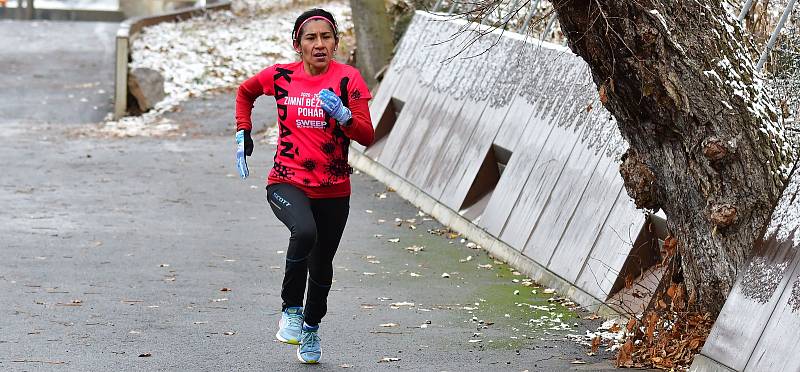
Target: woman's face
x,y
317,43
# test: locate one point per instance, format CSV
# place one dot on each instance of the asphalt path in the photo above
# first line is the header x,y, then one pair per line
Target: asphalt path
x,y
150,253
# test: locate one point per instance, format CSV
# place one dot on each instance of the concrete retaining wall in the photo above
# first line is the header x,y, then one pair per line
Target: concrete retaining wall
x,y
515,143
127,32
758,326
64,14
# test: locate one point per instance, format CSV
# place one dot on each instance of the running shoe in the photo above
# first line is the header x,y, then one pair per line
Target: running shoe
x,y
310,350
290,325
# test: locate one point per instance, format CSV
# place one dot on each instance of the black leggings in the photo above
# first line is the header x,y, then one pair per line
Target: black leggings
x,y
316,226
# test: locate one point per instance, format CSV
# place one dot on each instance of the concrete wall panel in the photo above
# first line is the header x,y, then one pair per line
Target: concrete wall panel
x,y
559,200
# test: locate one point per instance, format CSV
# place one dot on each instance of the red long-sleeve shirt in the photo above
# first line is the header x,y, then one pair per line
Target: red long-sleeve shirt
x,y
312,147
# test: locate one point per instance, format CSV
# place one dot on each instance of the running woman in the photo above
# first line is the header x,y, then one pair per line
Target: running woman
x,y
322,105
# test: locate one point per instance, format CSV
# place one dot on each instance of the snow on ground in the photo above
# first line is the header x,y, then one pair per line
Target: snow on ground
x,y
215,52
612,333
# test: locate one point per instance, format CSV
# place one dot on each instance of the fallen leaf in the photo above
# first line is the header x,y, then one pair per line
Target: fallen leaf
x,y
624,357
602,93
651,322
225,289
628,281
595,344
631,325
669,248
415,248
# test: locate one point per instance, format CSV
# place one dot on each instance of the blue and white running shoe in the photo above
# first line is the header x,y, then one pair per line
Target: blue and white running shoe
x,y
310,350
290,325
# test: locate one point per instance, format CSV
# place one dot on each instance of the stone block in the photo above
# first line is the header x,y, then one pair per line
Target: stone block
x,y
146,86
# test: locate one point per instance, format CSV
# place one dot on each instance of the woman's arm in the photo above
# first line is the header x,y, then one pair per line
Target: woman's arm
x,y
359,127
246,96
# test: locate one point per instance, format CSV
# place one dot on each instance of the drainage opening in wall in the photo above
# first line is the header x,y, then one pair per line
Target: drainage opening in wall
x,y
494,163
384,127
641,274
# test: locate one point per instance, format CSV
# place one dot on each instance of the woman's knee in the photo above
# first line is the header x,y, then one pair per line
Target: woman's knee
x,y
305,234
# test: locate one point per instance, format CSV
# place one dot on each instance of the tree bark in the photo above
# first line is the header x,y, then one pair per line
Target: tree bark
x,y
705,145
373,37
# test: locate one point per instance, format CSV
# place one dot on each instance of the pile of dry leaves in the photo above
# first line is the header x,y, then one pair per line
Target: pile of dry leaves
x,y
668,336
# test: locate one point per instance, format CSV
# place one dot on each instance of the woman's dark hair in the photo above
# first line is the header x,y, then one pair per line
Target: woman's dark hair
x,y
316,12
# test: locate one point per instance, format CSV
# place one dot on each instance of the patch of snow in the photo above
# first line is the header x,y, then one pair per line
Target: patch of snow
x,y
215,52
613,340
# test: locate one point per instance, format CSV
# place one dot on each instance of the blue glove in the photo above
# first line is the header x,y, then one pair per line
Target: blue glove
x,y
333,106
241,159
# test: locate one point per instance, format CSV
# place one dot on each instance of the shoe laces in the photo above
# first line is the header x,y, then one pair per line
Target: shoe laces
x,y
310,339
294,321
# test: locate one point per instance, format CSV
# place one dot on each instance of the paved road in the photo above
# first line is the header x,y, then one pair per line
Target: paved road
x,y
56,72
117,248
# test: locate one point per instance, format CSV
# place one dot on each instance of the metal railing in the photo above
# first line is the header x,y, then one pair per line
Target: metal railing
x,y
455,5
513,10
125,34
771,43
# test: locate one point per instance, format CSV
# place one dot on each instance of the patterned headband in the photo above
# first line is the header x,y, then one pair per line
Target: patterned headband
x,y
297,36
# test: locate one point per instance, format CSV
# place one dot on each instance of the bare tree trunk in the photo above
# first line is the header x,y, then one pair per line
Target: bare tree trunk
x,y
29,10
373,37
705,145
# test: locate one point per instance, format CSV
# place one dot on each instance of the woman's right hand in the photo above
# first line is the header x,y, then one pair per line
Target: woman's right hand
x,y
244,148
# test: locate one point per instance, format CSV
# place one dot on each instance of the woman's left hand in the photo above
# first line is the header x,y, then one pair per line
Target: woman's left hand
x,y
333,106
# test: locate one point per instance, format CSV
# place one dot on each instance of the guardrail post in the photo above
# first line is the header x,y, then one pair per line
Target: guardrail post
x,y
121,72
